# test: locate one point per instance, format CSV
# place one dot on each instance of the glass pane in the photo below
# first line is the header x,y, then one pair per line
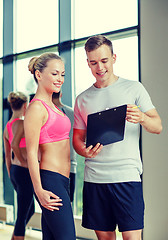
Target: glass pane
x,y
1,28
24,79
126,65
97,16
35,24
84,80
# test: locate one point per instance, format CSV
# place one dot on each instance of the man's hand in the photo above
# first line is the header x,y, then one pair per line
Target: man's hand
x,y
149,120
79,136
91,152
134,114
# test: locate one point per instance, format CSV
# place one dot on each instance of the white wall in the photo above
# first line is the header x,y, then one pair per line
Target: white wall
x,y
154,63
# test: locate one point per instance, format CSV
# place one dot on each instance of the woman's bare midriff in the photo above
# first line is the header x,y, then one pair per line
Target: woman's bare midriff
x,y
56,157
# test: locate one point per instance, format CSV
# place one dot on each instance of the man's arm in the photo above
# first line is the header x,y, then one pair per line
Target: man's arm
x,y
150,120
79,136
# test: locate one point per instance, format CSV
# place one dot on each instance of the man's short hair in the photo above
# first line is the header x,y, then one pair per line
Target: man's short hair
x,y
96,41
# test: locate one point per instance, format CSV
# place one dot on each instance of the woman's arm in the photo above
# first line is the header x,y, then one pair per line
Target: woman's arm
x,y
34,119
8,151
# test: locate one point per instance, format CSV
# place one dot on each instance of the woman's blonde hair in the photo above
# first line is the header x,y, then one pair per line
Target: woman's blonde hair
x,y
39,63
17,99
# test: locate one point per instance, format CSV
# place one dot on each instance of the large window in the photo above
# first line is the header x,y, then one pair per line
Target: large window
x,y
36,24
36,30
96,18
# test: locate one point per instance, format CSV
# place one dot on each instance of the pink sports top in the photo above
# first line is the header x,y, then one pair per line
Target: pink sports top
x,y
22,143
56,128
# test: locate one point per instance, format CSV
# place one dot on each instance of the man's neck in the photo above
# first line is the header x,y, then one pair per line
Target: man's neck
x,y
103,84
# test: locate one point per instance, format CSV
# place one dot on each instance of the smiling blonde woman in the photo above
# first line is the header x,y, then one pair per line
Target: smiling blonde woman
x,y
47,135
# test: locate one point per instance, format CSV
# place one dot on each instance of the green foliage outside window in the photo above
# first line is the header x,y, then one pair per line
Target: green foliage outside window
x,y
79,185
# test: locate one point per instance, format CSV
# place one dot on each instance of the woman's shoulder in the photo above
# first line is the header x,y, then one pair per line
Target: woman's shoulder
x,y
35,105
35,112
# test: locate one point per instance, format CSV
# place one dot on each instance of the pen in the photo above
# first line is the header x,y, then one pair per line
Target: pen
x,y
137,106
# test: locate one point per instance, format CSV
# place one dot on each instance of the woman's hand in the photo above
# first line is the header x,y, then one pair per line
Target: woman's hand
x,y
49,200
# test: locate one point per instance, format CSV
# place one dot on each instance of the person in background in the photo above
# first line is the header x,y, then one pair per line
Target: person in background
x,y
47,135
112,193
56,98
14,141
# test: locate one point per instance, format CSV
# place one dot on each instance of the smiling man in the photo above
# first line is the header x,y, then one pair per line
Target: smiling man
x,y
112,194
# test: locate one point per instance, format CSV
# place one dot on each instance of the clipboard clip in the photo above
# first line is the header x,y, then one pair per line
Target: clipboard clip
x,y
109,108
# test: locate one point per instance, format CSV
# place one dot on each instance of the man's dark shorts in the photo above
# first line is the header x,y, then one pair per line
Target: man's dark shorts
x,y
106,206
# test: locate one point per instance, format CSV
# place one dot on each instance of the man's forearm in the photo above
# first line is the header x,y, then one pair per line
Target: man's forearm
x,y
151,124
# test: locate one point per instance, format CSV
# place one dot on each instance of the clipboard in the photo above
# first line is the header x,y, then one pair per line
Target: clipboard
x,y
106,126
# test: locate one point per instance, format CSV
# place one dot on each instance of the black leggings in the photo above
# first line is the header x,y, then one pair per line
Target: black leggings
x,y
57,225
72,186
21,181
